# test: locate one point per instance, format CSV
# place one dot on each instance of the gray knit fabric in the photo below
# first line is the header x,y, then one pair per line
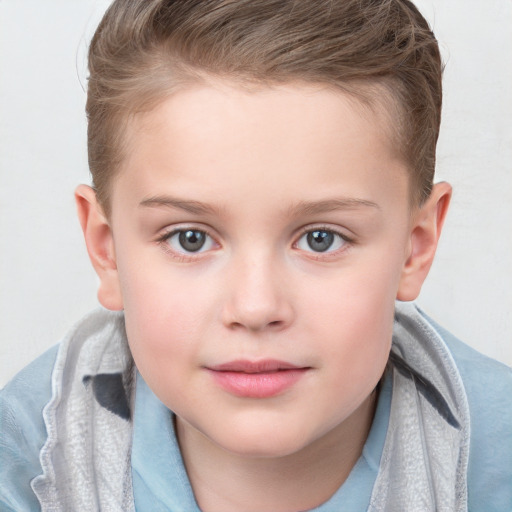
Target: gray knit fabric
x,y
425,457
86,458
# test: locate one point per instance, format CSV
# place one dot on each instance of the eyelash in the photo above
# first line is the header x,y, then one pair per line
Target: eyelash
x,y
163,241
324,256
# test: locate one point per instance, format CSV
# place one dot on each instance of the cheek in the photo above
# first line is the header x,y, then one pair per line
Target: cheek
x,y
164,319
353,315
361,295
159,300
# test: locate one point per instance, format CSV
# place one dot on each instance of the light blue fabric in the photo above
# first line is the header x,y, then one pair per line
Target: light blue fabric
x,y
22,432
160,482
159,477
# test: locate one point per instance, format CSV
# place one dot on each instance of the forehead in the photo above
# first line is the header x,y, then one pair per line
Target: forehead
x,y
221,140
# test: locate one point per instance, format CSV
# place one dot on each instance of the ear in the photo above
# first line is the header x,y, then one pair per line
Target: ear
x,y
100,246
425,232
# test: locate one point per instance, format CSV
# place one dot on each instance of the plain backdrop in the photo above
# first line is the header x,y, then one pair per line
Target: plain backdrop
x,y
46,281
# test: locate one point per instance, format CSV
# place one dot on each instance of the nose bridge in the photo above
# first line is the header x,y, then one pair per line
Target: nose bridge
x,y
257,300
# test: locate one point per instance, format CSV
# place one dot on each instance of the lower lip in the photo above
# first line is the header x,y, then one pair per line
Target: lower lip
x,y
258,385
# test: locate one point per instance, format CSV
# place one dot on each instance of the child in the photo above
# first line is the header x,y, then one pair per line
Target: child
x,y
263,192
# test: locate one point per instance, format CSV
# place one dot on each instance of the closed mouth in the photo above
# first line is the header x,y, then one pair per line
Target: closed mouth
x,y
257,379
261,366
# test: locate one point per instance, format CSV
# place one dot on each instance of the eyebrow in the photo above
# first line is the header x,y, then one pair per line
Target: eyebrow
x,y
330,205
194,207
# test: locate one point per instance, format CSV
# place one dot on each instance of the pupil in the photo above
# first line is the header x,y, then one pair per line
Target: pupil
x,y
320,241
192,241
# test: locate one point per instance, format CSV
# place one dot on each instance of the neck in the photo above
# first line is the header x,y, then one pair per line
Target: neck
x,y
224,481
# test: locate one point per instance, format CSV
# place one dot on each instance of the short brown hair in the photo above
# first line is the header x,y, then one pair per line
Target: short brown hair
x,y
144,49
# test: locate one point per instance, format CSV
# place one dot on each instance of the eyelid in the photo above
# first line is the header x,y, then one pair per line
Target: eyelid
x,y
168,232
325,227
349,241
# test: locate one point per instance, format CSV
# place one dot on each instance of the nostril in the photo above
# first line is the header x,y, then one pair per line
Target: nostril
x,y
256,314
239,325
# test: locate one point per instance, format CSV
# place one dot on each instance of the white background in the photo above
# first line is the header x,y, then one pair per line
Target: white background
x,y
46,282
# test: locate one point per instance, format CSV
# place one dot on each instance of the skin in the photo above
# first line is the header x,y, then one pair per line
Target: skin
x,y
258,170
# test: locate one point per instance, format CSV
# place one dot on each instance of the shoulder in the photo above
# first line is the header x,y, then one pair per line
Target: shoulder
x,y
488,386
39,404
22,431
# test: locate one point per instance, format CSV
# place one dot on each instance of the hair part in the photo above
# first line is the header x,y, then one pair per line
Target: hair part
x,y
381,51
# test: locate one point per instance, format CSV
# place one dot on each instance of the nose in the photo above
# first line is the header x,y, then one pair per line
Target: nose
x,y
258,299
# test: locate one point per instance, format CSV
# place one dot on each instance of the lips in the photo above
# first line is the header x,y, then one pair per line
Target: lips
x,y
256,379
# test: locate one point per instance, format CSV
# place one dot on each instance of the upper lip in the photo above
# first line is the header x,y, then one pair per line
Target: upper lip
x,y
262,366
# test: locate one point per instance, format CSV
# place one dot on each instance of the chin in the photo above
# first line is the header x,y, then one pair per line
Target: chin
x,y
274,442
263,449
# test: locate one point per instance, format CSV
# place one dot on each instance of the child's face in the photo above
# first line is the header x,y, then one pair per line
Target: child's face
x,y
269,226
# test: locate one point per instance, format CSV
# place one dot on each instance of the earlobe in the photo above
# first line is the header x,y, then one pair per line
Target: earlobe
x,y
100,246
424,236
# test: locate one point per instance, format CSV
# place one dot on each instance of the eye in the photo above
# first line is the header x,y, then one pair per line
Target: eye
x,y
321,240
189,241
